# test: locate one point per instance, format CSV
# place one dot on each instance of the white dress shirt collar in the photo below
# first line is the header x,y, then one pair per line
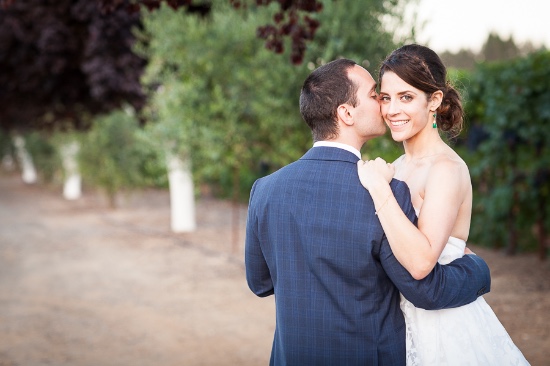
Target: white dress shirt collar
x,y
338,145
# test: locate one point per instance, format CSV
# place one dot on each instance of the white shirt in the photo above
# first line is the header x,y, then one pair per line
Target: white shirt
x,y
338,145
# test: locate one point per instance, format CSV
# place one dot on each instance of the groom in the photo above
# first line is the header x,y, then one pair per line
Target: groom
x,y
313,240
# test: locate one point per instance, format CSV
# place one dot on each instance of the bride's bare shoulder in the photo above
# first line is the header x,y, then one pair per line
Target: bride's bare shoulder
x,y
399,160
451,166
452,159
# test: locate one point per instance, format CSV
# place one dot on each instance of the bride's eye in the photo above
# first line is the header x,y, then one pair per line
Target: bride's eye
x,y
406,98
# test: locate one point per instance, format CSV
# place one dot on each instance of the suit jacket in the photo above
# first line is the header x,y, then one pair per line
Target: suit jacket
x,y
313,240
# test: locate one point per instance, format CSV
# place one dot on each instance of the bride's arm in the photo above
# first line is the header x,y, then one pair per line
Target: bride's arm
x,y
417,248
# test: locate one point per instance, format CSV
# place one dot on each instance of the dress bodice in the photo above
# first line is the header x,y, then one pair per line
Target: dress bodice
x,y
453,249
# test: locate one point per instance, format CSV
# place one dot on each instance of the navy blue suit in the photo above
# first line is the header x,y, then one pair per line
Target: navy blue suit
x,y
313,240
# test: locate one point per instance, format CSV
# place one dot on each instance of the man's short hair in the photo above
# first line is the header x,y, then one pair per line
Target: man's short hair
x,y
326,88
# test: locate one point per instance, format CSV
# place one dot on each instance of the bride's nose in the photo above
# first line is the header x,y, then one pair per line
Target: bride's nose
x,y
393,108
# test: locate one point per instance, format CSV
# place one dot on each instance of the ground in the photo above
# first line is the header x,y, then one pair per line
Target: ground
x,y
82,284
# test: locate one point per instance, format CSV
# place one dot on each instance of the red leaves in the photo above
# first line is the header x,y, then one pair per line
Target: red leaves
x,y
5,3
290,22
66,58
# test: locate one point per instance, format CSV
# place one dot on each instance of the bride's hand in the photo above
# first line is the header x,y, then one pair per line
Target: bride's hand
x,y
375,171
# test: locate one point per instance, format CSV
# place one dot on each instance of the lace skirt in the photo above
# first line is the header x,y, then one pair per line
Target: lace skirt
x,y
467,335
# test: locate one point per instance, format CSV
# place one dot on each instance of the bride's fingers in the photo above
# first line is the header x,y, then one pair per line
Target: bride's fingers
x,y
377,165
374,164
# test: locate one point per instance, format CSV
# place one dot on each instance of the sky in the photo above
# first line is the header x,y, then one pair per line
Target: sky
x,y
452,25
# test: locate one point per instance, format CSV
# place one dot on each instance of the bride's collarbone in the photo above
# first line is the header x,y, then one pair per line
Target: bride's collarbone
x,y
412,175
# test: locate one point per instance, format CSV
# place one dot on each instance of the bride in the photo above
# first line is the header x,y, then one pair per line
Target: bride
x,y
416,102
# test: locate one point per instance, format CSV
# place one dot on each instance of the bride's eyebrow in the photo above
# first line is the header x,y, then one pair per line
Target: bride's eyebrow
x,y
406,92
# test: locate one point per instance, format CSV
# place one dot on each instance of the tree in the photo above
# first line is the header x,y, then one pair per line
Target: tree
x,y
209,86
510,102
290,21
463,59
109,154
497,49
222,103
63,61
494,49
245,99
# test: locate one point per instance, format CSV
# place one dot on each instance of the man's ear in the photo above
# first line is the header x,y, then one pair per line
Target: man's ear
x,y
344,114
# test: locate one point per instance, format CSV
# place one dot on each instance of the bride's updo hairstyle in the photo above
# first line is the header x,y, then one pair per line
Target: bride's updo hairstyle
x,y
422,68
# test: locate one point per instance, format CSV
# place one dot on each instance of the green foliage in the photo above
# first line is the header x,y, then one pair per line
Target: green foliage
x,y
111,157
354,30
220,102
44,154
6,145
219,98
510,103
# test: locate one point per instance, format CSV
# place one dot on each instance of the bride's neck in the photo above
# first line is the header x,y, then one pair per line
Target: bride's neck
x,y
421,147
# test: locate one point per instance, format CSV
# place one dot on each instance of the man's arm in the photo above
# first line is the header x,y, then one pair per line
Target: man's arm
x,y
447,286
455,284
258,276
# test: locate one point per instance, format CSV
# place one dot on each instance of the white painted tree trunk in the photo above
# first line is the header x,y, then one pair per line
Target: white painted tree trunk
x,y
25,160
182,197
72,187
7,162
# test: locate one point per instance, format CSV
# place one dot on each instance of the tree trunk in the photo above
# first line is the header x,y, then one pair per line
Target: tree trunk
x,y
512,227
182,195
7,162
72,187
235,215
542,239
25,160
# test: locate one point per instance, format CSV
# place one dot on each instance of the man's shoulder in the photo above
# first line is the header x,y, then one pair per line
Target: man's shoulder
x,y
282,171
276,176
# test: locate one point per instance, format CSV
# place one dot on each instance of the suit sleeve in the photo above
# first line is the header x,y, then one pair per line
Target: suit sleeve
x,y
258,275
447,286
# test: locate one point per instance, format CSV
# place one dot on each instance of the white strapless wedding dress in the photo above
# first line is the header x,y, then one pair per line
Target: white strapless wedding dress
x,y
467,335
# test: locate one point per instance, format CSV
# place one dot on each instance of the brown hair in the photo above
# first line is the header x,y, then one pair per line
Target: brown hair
x,y
422,68
323,91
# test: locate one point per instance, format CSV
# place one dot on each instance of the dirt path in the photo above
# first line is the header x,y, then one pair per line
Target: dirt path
x,y
84,285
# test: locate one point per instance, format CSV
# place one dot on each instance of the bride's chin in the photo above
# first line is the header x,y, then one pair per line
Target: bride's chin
x,y
397,137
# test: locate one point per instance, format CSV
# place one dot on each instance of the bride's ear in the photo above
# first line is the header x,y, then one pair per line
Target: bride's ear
x,y
344,114
435,100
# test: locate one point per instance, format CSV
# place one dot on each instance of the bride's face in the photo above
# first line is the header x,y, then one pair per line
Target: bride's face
x,y
405,109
